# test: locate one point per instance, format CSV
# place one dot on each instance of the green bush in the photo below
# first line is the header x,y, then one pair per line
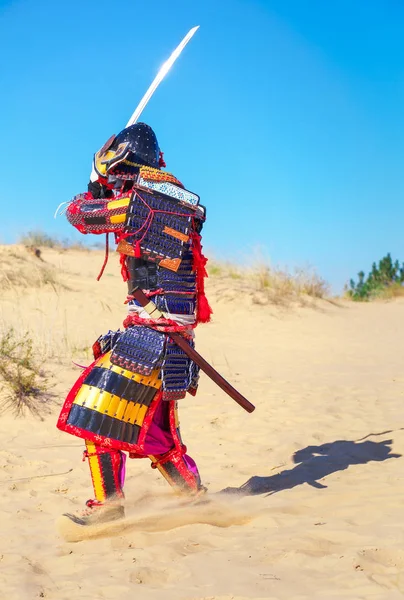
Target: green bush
x,y
384,280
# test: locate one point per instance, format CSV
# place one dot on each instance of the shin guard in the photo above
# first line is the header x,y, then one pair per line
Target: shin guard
x,y
107,469
179,470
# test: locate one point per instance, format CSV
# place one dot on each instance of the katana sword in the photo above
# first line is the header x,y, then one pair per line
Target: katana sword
x,y
160,76
152,88
156,314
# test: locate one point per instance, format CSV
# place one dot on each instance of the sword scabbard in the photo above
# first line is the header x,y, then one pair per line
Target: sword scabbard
x,y
150,308
211,372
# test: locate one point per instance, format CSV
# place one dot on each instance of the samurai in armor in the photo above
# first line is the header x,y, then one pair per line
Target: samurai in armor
x,y
125,402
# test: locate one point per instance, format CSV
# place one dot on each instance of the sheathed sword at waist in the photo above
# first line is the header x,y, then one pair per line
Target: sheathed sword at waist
x,y
156,314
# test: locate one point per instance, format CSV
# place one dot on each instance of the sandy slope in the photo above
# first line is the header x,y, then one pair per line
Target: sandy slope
x,y
317,467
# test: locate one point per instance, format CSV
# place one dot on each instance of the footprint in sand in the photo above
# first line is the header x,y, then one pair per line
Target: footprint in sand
x,y
384,566
225,598
151,576
190,547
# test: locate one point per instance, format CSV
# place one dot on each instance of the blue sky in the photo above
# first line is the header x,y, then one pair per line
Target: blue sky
x,y
286,116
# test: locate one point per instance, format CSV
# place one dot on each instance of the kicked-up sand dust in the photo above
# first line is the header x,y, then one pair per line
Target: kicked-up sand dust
x,y
306,493
150,515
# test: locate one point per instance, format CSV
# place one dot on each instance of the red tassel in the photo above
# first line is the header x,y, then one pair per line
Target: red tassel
x,y
162,162
106,257
124,268
199,260
138,250
203,309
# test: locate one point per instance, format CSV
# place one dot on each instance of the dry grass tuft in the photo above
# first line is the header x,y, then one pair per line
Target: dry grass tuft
x,y
266,285
20,268
55,298
395,290
40,239
23,383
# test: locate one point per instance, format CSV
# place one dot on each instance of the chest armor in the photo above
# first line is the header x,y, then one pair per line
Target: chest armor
x,y
177,288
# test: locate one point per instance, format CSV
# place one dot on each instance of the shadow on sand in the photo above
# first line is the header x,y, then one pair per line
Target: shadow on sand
x,y
316,462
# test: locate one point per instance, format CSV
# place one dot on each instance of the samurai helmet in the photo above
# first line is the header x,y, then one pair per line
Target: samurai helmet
x,y
135,145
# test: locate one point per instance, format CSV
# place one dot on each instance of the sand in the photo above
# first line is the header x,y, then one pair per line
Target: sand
x,y
305,493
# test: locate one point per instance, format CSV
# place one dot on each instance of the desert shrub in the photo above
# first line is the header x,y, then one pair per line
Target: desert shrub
x,y
22,381
282,287
20,269
309,282
385,280
215,269
225,269
268,285
40,239
34,277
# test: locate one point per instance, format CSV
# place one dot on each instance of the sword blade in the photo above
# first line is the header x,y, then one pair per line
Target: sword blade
x,y
160,76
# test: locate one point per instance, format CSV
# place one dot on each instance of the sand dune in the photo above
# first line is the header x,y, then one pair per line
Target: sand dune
x,y
306,491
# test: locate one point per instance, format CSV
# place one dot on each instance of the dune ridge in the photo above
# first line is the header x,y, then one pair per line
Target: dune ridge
x,y
306,491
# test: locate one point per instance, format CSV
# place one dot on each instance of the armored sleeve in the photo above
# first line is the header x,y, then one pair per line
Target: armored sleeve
x,y
101,215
